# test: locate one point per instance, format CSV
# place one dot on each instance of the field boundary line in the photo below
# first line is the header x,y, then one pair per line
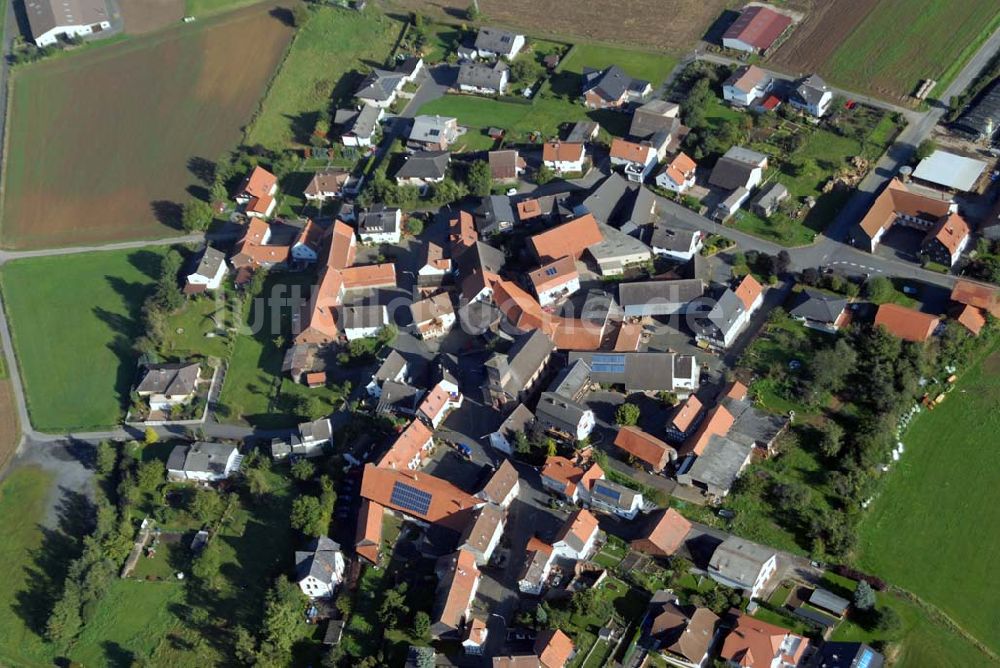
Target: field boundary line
x,y
943,618
265,96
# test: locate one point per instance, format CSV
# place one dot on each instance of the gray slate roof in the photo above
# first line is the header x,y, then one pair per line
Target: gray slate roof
x,y
391,366
818,306
481,75
210,262
317,560
425,165
770,195
649,119
809,90
171,379
722,316
613,494
559,412
616,245
379,85
671,239
360,122
495,40
610,83
572,380
379,219
200,457
527,355
518,421
363,316
492,211
607,197
432,129
639,372
739,560
398,397
720,463
665,292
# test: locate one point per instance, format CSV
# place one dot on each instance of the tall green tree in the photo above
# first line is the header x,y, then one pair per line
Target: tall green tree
x,y
196,216
479,179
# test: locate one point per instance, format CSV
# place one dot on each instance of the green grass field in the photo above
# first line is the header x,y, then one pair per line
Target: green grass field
x,y
23,499
939,37
931,530
113,130
74,319
187,331
321,67
653,67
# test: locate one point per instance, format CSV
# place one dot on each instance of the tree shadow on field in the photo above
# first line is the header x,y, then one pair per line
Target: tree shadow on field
x,y
303,125
283,14
148,262
199,192
50,561
168,213
116,655
202,169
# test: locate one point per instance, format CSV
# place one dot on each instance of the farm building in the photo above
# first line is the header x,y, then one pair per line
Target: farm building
x,y
954,172
981,120
52,19
756,30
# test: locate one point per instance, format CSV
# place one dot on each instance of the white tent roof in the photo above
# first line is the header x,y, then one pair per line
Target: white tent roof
x,y
952,171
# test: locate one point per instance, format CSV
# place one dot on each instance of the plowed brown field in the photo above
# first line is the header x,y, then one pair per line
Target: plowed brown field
x,y
814,40
669,26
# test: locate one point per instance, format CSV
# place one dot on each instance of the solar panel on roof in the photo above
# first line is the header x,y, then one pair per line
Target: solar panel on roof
x,y
410,498
608,363
866,659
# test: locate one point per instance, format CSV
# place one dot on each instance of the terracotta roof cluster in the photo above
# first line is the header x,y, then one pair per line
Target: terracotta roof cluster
x,y
951,232
624,149
985,297
258,183
644,447
681,168
554,648
553,274
525,313
687,414
747,78
252,251
753,642
456,588
462,233
906,323
319,323
562,151
500,483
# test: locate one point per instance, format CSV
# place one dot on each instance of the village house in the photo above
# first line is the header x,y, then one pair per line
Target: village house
x,y
380,88
368,538
811,95
435,265
256,193
611,88
569,239
610,497
331,183
659,298
637,160
767,200
650,372
555,281
511,377
537,567
362,321
946,240
482,78
564,157
165,386
434,316
440,401
553,648
685,420
753,642
906,323
729,315
306,247
645,447
319,568
740,564
576,538
381,225
719,464
746,85
973,302
498,43
423,169
739,168
203,462
502,487
663,535
398,399
253,250
520,421
505,166
494,214
656,117
208,274
570,479
482,533
564,417
678,175
582,132
458,580
676,244
898,204
433,133
683,634
476,633
418,497
756,29
308,442
358,127
821,311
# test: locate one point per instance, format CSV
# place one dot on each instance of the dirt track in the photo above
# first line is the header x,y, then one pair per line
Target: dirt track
x,y
658,24
825,28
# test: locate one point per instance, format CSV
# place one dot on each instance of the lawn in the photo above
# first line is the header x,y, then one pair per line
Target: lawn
x,y
322,66
26,591
940,36
73,320
928,529
114,130
255,391
653,67
198,329
9,429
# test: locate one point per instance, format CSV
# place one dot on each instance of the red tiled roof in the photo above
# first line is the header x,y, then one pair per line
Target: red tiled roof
x,y
906,323
449,505
369,276
685,417
971,318
736,390
570,238
528,209
756,643
896,200
951,232
561,151
553,274
458,585
628,338
369,535
342,246
565,471
462,232
553,648
680,168
581,525
644,447
747,78
665,535
407,446
758,27
623,149
748,291
985,297
259,183
435,401
311,235
717,423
